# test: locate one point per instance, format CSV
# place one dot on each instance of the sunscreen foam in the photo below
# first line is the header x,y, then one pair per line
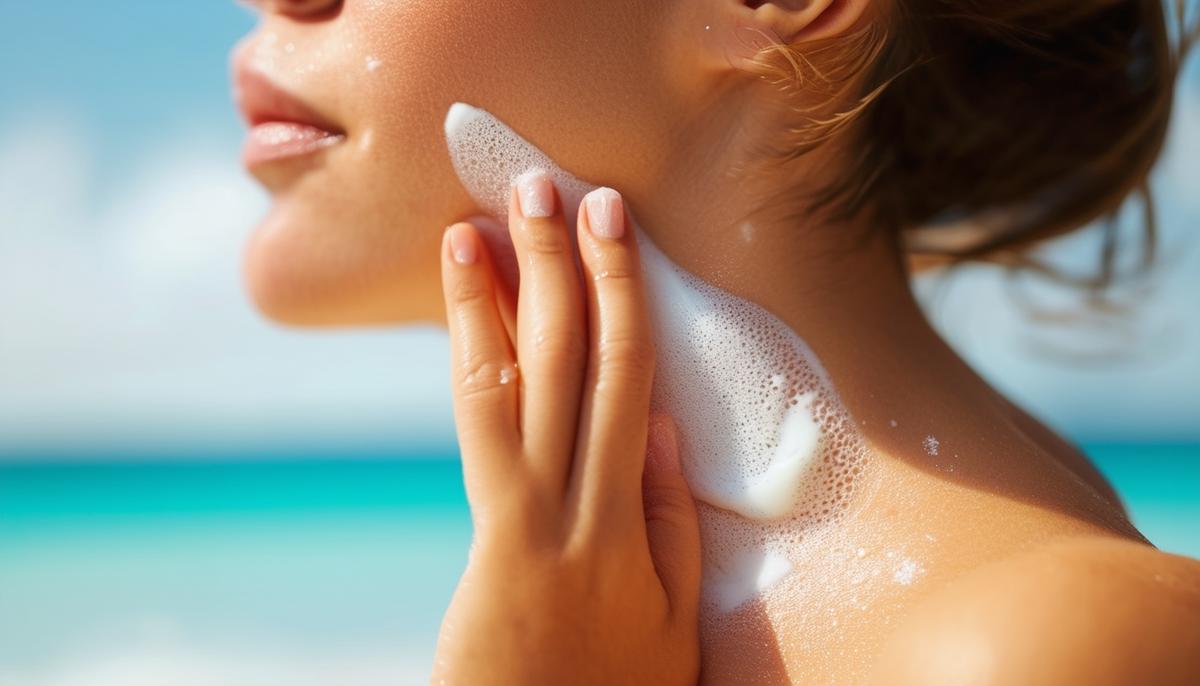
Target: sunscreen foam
x,y
765,443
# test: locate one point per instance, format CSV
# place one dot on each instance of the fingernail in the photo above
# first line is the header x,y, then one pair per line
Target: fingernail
x,y
605,213
462,244
535,193
662,452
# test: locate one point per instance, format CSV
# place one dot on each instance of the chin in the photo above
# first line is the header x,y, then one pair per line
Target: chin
x,y
311,268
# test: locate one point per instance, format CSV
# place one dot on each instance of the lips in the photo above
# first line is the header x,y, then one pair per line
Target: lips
x,y
282,126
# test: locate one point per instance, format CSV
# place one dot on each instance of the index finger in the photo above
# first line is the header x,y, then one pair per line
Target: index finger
x,y
482,360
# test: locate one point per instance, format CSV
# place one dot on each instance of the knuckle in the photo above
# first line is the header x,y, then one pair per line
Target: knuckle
x,y
626,357
480,375
545,237
469,290
560,347
616,275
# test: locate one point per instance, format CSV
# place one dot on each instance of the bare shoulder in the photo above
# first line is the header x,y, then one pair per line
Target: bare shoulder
x,y
1092,611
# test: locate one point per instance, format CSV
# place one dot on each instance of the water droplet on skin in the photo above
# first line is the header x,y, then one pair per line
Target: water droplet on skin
x,y
907,572
931,445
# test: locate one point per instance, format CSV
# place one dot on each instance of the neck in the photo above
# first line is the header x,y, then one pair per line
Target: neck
x,y
842,287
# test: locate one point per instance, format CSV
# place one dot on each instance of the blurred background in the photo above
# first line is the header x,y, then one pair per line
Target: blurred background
x,y
189,495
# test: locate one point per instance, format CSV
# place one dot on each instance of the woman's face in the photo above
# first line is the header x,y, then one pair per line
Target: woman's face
x,y
354,230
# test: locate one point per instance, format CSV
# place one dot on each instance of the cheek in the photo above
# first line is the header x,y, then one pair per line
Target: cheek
x,y
576,78
355,239
358,240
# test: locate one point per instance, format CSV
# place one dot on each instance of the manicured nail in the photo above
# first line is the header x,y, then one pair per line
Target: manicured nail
x,y
535,193
662,452
605,213
463,245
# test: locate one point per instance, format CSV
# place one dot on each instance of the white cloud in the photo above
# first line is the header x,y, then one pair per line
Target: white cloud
x,y
124,323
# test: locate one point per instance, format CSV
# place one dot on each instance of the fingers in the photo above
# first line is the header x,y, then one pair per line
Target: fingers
x,y
612,426
484,373
504,264
551,343
672,527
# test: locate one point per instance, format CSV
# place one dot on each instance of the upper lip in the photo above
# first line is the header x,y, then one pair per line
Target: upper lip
x,y
261,101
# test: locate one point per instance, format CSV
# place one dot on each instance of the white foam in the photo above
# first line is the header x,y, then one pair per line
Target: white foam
x,y
744,576
763,434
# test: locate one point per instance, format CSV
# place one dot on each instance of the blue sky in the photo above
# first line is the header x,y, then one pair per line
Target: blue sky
x,y
122,213
125,66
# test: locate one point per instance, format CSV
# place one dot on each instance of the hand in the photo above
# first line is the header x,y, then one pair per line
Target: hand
x,y
585,566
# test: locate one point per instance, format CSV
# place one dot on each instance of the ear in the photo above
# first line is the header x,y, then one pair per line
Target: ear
x,y
747,26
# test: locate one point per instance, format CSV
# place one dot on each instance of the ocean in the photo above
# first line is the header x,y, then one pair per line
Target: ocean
x,y
295,572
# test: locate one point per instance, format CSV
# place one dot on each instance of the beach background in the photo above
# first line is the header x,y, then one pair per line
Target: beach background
x,y
192,496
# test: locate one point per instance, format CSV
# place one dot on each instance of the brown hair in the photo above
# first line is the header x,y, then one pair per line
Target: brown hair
x,y
980,128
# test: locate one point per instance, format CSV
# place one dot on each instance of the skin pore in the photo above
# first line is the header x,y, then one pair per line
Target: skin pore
x,y
651,98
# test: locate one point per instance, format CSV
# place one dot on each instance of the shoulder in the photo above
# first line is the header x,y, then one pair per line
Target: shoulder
x,y
1088,611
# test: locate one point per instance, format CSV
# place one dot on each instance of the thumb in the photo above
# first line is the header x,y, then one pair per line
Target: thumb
x,y
671,525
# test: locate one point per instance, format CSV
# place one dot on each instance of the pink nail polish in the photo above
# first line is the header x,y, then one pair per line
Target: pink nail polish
x,y
605,213
463,246
535,194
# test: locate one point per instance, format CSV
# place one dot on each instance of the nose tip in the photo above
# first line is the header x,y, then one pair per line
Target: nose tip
x,y
303,9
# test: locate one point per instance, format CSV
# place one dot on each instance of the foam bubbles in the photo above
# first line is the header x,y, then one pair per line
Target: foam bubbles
x,y
765,443
931,445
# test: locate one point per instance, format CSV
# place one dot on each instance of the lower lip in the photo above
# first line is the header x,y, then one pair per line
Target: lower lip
x,y
274,141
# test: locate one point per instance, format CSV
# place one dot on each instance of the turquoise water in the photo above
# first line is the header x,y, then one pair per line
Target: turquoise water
x,y
287,572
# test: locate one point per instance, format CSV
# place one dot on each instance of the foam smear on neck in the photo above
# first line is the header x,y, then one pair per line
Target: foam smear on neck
x,y
763,436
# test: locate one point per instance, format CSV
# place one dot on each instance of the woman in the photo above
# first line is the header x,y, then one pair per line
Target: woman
x,y
789,155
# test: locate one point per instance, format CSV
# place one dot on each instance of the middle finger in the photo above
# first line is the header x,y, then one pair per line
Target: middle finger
x,y
551,336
